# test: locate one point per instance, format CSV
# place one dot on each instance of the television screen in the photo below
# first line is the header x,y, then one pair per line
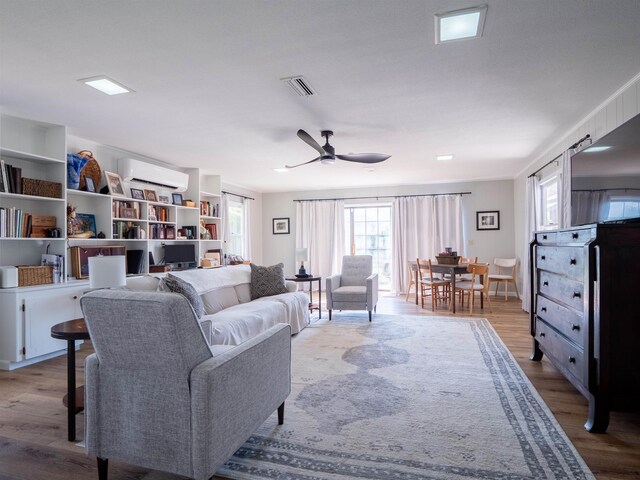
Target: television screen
x,y
605,178
179,253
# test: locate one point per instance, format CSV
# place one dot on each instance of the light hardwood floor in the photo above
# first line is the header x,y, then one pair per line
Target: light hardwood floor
x,y
33,433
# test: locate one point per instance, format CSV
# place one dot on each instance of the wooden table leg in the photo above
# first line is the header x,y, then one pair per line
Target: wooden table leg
x,y
71,389
453,290
320,298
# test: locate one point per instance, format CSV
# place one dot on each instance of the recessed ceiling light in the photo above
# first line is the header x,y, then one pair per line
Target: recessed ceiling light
x,y
281,170
449,156
460,24
106,85
596,149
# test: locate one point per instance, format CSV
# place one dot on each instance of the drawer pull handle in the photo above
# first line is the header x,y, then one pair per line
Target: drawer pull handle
x,y
542,334
577,295
572,359
575,235
75,297
572,261
546,284
543,309
544,237
542,257
575,327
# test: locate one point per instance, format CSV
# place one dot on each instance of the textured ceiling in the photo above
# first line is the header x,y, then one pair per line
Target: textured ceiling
x,y
207,89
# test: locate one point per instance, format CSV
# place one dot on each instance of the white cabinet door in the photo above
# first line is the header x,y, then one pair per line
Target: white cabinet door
x,y
44,309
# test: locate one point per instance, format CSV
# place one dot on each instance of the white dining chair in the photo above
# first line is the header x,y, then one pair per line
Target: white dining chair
x,y
505,274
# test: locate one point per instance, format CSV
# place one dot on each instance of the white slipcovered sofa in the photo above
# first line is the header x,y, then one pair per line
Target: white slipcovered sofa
x,y
230,316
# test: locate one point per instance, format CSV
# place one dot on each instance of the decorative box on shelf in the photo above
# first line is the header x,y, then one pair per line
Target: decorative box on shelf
x,y
30,275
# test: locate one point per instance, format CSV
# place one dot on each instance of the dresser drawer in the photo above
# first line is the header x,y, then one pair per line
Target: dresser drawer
x,y
546,237
577,236
569,261
570,323
565,355
565,290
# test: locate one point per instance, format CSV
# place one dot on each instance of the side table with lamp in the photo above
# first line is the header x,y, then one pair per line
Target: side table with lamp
x,y
302,255
104,272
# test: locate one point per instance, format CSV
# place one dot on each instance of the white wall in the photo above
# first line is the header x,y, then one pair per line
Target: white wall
x,y
490,195
613,112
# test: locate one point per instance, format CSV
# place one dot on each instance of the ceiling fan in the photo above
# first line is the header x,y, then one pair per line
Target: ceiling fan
x,y
328,153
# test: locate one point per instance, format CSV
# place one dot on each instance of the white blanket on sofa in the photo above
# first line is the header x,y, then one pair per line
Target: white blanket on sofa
x,y
224,277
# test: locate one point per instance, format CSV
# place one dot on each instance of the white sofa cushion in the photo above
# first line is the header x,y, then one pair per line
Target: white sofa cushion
x,y
296,308
243,291
219,299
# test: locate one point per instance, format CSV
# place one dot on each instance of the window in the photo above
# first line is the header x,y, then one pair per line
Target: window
x,y
549,203
624,207
236,227
368,232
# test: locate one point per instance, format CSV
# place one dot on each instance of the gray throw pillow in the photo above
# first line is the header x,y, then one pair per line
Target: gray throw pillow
x,y
174,284
267,281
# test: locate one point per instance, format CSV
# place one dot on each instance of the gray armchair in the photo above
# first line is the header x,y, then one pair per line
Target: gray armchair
x,y
355,288
157,396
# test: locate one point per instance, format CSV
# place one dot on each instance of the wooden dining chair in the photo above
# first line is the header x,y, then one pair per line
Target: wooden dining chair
x,y
427,285
505,274
412,275
470,287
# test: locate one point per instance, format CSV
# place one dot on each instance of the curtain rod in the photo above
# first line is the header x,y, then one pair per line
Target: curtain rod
x,y
381,196
587,136
626,189
238,195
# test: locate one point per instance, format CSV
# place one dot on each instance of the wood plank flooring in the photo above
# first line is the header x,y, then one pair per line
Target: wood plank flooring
x,y
33,424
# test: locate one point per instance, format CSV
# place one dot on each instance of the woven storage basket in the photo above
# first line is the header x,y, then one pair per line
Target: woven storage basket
x,y
41,188
447,260
29,275
91,170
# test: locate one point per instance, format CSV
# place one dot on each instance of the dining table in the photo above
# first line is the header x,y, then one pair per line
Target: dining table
x,y
452,271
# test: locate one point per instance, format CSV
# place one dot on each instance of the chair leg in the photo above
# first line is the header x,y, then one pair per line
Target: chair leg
x,y
370,313
103,468
506,289
329,314
515,284
281,414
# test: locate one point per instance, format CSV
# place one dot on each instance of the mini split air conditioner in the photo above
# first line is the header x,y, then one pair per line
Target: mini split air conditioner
x,y
132,170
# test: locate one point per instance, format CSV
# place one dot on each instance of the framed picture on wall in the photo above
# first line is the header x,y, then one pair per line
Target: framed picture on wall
x,y
281,226
489,220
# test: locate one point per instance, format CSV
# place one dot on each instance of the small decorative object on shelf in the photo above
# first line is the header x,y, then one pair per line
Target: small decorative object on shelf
x,y
137,194
114,184
75,163
448,257
177,198
150,195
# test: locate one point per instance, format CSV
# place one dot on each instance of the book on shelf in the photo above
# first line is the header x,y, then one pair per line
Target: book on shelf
x,y
15,223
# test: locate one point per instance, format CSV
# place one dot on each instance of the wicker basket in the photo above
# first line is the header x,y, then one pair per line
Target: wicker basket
x,y
29,275
447,260
41,188
91,170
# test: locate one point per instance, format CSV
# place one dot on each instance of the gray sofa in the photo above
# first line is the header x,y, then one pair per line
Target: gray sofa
x,y
158,396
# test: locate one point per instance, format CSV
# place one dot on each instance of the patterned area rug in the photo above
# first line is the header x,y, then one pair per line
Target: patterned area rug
x,y
407,398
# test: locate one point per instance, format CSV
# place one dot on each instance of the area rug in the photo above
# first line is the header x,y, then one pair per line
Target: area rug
x,y
407,397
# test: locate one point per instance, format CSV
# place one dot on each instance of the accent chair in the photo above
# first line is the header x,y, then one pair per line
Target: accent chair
x,y
157,396
355,287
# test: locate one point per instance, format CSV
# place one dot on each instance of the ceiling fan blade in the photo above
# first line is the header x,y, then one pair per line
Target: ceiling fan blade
x,y
308,139
305,163
364,157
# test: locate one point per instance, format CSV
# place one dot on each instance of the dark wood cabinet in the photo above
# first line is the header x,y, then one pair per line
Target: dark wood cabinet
x,y
585,313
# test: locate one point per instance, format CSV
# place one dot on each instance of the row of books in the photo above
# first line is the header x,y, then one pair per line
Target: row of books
x,y
162,232
159,214
10,178
212,230
209,209
14,223
128,230
124,209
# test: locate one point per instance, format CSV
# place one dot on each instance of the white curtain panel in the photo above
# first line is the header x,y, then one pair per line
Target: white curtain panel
x,y
320,228
247,228
530,225
565,194
423,226
590,207
224,211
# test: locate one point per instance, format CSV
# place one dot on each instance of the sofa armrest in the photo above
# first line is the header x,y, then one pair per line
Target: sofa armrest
x,y
233,393
333,282
372,291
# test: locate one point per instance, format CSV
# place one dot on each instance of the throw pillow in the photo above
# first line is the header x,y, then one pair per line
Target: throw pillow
x,y
174,284
267,281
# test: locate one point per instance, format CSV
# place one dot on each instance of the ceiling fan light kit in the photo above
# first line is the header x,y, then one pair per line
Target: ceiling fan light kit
x,y
328,154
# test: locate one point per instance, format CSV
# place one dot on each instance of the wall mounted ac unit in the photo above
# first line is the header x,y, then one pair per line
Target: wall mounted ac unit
x,y
132,170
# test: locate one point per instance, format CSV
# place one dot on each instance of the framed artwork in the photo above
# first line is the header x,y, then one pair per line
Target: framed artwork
x,y
150,195
82,226
177,198
80,257
281,226
489,220
114,183
163,199
89,185
137,194
128,213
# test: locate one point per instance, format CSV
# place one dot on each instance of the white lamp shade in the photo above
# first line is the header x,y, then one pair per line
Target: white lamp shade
x,y
302,254
107,272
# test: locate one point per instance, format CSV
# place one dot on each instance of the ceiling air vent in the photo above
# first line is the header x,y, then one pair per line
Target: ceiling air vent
x,y
299,86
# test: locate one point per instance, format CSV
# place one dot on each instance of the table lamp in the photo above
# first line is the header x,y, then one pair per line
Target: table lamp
x,y
107,271
302,255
